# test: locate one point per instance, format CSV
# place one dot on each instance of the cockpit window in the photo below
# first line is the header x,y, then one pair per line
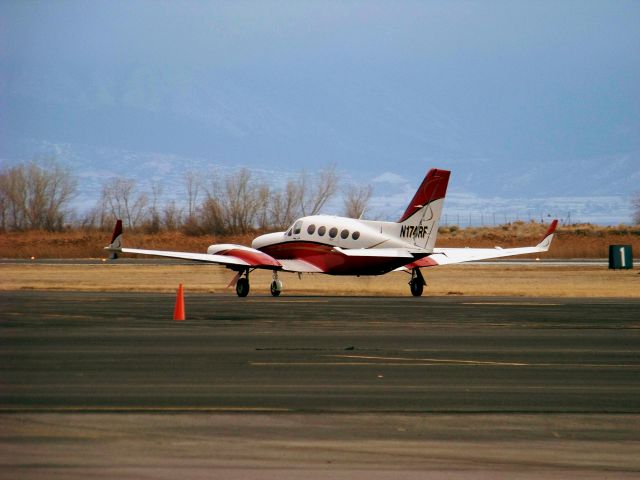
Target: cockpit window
x,y
297,227
289,232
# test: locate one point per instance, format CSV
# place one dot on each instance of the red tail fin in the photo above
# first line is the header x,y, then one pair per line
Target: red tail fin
x,y
117,231
116,241
548,237
433,187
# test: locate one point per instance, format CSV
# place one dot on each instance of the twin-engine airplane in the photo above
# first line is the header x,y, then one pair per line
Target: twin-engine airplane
x,y
347,246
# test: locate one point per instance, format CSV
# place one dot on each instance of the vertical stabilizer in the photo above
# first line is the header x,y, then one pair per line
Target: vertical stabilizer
x,y
116,240
419,223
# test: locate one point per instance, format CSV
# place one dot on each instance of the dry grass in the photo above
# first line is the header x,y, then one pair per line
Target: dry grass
x,y
577,241
483,280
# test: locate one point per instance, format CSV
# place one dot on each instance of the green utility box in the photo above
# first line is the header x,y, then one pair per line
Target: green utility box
x,y
620,257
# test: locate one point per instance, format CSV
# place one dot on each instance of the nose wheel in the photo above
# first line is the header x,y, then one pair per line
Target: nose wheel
x,y
276,285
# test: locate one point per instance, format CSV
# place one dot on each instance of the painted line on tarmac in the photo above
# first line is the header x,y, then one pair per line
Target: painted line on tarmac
x,y
525,304
434,364
455,361
141,410
434,360
282,300
430,362
337,364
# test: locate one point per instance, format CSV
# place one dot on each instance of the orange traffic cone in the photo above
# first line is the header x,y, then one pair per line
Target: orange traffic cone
x,y
178,311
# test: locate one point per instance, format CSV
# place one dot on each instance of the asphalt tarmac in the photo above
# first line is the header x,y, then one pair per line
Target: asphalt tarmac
x,y
107,385
116,352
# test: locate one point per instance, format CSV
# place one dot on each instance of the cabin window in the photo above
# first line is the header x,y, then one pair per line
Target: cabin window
x,y
344,233
355,235
333,232
322,230
311,228
297,227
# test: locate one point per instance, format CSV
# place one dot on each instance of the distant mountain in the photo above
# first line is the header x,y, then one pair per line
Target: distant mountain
x,y
153,125
468,202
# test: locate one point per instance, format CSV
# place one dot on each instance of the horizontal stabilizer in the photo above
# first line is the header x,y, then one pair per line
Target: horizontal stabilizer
x,y
448,256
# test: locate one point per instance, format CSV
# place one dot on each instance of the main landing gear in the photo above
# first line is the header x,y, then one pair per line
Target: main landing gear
x,y
242,284
417,283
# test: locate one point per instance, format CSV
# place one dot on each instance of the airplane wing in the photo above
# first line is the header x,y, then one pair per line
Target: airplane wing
x,y
228,259
232,256
447,256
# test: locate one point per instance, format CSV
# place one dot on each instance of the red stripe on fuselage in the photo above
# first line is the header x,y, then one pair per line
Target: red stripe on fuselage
x,y
331,262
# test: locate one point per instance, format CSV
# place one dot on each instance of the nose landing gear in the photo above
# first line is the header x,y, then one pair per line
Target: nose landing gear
x,y
276,285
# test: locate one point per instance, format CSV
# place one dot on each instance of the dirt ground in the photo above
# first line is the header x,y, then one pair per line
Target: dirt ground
x,y
526,280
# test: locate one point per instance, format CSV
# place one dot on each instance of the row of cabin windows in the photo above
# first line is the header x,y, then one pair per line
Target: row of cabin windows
x,y
333,232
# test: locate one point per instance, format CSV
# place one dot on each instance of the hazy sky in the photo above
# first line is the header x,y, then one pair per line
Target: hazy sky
x,y
391,86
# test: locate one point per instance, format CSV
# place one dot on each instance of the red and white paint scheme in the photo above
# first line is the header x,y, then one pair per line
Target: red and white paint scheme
x,y
347,246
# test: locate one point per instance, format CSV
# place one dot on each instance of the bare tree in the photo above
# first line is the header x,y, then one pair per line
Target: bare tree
x,y
13,192
120,198
241,201
56,188
171,216
235,203
636,208
356,200
318,190
192,185
4,207
153,218
208,219
95,218
36,196
263,198
286,204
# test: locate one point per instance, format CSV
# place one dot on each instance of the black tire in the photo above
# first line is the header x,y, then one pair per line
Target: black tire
x,y
416,287
275,291
242,287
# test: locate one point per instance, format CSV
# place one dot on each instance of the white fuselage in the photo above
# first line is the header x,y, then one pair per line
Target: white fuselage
x,y
314,240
